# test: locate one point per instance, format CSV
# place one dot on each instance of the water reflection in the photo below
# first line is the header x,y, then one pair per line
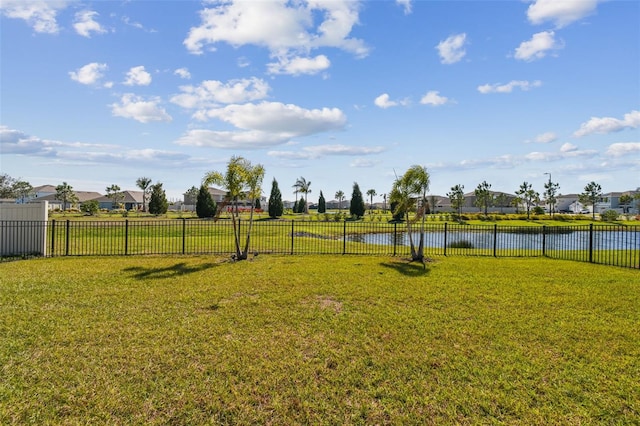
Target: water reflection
x,y
576,240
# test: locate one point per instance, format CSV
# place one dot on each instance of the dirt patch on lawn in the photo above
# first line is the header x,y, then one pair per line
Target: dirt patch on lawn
x,y
324,302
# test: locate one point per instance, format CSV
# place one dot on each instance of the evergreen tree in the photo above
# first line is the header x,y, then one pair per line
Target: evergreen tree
x,y
276,207
258,205
456,196
357,207
322,204
66,194
205,206
300,206
158,203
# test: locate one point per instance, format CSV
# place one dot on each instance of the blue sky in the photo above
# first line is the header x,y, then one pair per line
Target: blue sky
x,y
104,92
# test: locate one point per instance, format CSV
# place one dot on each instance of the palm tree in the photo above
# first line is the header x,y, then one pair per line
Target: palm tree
x,y
143,183
302,186
339,197
371,193
409,192
241,180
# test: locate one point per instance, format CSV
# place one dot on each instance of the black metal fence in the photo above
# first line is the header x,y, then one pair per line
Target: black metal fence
x,y
605,244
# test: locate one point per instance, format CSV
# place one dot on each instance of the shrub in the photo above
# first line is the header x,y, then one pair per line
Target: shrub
x,y
609,216
90,207
461,244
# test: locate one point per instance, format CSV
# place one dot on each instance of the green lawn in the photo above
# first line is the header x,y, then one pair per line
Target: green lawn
x,y
318,340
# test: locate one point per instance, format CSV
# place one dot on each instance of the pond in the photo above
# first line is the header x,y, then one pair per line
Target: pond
x,y
573,240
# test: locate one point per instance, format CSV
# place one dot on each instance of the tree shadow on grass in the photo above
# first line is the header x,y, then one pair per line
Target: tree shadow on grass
x,y
408,268
142,273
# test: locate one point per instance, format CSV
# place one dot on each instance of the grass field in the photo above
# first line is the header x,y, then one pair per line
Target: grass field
x,y
318,340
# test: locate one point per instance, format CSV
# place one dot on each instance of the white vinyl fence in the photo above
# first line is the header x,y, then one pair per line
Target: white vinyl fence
x,y
15,238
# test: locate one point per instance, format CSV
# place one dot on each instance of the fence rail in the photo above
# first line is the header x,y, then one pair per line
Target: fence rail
x,y
616,245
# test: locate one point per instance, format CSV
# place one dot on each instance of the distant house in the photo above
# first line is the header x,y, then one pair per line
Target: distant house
x,y
130,200
41,191
54,203
611,201
218,196
336,205
443,204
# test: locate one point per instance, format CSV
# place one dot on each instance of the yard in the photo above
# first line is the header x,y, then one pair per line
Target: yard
x,y
318,340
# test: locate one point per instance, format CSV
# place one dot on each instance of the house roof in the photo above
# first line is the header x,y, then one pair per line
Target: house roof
x,y
44,188
213,191
129,197
82,196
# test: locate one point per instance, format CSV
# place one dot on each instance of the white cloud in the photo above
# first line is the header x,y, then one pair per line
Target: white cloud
x,y
568,147
232,139
623,148
264,125
452,50
16,142
433,98
537,47
406,5
508,88
183,73
319,151
630,120
212,93
137,25
383,101
567,150
137,76
39,14
279,118
299,65
89,74
364,163
79,153
135,107
561,12
85,24
547,137
239,23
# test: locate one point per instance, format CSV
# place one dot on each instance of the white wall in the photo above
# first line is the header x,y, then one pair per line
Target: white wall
x,y
23,229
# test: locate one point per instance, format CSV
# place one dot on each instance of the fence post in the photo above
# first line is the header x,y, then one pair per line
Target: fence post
x,y
292,234
544,240
126,237
591,243
184,234
495,240
53,237
445,238
344,237
395,237
66,249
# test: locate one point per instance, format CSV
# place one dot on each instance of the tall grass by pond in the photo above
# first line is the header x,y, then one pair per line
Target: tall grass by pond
x,y
318,340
